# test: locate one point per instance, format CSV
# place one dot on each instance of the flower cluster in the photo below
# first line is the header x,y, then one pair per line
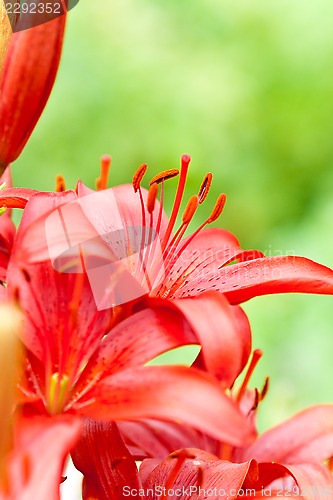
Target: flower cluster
x,y
94,286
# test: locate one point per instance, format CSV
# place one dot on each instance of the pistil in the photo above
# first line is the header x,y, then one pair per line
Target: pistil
x,y
57,393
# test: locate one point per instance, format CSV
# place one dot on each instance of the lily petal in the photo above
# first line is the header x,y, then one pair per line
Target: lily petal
x,y
135,341
281,274
314,480
211,249
197,469
306,437
16,197
310,481
129,211
168,393
225,338
105,462
156,438
40,441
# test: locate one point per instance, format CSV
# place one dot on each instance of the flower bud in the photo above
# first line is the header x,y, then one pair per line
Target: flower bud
x,y
6,21
29,69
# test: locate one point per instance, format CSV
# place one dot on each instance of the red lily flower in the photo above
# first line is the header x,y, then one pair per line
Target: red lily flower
x,y
167,266
79,335
26,80
81,371
86,362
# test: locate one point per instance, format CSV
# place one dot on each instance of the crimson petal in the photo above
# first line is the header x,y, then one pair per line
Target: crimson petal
x,y
306,437
16,197
168,393
225,338
310,481
41,441
281,274
197,469
129,211
314,480
135,341
105,462
156,438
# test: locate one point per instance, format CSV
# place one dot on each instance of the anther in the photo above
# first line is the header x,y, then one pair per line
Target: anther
x,y
163,176
190,209
205,186
60,184
264,389
152,194
102,181
26,275
217,210
3,210
138,176
3,186
256,400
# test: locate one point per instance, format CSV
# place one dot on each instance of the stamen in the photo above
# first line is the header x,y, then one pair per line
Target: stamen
x,y
185,161
257,354
188,214
256,400
160,212
60,184
152,194
102,181
3,210
217,210
190,209
163,176
205,187
3,186
138,176
265,388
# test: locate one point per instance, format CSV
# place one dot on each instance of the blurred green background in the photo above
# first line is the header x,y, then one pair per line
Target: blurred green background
x,y
246,88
